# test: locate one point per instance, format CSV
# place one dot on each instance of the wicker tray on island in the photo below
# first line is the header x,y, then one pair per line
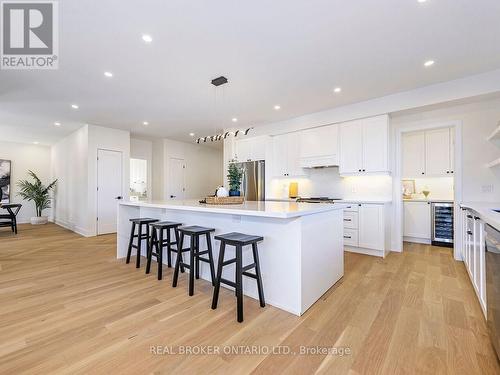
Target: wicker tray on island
x,y
225,200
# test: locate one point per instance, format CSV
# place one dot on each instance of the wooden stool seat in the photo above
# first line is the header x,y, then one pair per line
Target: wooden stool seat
x,y
143,220
238,240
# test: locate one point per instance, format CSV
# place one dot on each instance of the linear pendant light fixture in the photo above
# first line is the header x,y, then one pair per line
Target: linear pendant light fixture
x,y
219,81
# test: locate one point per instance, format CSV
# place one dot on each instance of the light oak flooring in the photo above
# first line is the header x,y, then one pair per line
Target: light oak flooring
x,y
68,306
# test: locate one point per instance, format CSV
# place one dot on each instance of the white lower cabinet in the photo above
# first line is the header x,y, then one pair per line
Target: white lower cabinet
x,y
474,252
417,222
366,227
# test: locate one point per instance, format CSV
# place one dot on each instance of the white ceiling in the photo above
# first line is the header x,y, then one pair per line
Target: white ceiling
x,y
287,52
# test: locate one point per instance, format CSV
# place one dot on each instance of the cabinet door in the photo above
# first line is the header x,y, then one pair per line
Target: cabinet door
x,y
437,152
319,142
243,150
293,155
258,148
351,147
280,155
375,144
371,226
413,149
417,220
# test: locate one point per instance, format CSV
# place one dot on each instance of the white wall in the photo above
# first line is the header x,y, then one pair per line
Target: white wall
x,y
26,157
69,164
158,170
203,168
74,163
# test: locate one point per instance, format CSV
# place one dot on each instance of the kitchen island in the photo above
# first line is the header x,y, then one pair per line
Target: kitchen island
x,y
301,257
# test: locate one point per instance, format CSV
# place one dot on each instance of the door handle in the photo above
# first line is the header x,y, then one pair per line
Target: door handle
x,y
119,197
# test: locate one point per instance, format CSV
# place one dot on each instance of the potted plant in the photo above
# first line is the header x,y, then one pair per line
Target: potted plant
x,y
234,175
39,194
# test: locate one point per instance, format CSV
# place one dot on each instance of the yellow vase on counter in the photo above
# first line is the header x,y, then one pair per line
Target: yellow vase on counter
x,y
293,190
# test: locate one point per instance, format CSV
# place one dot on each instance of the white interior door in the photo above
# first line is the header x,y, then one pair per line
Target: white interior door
x,y
176,178
109,189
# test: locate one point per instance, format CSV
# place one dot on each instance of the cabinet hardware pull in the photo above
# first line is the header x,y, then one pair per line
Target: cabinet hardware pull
x,y
347,220
469,233
476,217
347,236
469,216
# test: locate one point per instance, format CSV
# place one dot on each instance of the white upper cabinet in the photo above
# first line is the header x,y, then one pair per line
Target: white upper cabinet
x,y
437,152
428,153
413,148
351,147
250,149
319,146
286,155
364,146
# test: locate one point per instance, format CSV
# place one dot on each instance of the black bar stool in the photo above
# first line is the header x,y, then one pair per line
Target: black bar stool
x,y
158,241
140,222
194,254
238,240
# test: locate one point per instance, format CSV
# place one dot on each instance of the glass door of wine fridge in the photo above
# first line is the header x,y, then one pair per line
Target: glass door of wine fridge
x,y
442,224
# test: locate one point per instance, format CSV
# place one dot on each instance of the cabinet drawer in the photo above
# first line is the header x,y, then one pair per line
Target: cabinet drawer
x,y
351,220
354,207
351,237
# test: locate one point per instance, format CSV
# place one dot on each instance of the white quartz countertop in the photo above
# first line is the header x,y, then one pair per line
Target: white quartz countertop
x,y
367,201
485,212
282,210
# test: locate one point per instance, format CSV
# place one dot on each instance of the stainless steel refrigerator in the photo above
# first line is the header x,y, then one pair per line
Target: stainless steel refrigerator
x,y
253,183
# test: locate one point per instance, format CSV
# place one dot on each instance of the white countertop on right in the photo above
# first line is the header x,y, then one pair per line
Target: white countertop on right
x,y
485,212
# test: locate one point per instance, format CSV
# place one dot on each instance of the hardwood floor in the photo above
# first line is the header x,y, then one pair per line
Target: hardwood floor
x,y
68,306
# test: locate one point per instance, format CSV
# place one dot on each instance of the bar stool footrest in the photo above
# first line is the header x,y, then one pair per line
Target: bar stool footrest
x,y
247,274
228,282
249,267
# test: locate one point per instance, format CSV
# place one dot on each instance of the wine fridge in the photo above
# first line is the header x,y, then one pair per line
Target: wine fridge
x,y
442,224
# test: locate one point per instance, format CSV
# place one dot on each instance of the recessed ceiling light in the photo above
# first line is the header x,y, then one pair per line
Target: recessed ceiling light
x,y
36,142
191,134
108,74
277,107
234,119
147,38
428,63
145,123
74,106
57,123
337,90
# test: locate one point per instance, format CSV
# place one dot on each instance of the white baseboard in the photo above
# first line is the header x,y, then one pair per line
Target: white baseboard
x,y
78,230
424,241
362,250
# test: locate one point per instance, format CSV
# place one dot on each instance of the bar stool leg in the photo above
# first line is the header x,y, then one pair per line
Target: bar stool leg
x,y
239,283
178,260
258,274
192,265
179,246
129,251
169,250
211,259
197,258
159,251
139,245
150,250
215,297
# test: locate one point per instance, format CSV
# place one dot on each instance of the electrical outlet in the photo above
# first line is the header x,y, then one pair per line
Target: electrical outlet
x,y
487,188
